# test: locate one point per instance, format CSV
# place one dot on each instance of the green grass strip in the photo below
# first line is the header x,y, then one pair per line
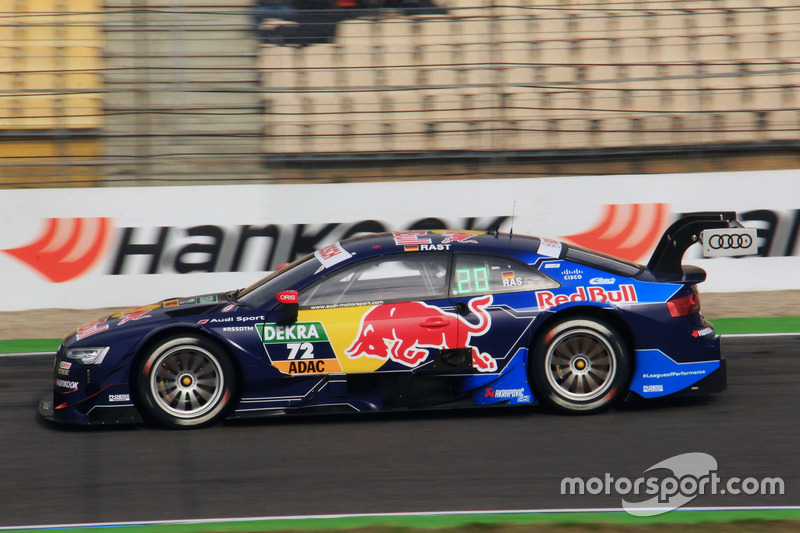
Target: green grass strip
x,y
783,324
686,520
29,346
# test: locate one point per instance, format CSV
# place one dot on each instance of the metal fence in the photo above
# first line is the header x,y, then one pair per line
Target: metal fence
x,y
133,92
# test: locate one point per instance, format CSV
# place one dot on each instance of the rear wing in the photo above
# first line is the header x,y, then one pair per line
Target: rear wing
x,y
719,232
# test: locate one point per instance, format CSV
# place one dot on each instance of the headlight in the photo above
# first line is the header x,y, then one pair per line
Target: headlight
x,y
88,356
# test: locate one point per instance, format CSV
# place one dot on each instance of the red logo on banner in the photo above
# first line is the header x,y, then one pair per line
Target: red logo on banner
x,y
67,248
627,231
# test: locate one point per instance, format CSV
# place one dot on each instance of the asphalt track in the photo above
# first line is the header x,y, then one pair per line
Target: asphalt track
x,y
455,461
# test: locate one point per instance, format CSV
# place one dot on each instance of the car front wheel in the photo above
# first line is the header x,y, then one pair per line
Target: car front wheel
x,y
580,365
185,381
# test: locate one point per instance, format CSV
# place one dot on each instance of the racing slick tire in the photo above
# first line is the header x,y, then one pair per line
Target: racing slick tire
x,y
580,365
185,381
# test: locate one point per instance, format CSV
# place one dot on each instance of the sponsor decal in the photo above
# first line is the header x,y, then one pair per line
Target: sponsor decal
x,y
602,281
549,248
231,319
464,237
729,242
288,297
300,348
332,254
300,331
573,274
91,328
421,241
624,295
63,368
176,302
134,314
552,265
411,238
306,367
517,394
119,398
732,242
404,332
703,332
64,384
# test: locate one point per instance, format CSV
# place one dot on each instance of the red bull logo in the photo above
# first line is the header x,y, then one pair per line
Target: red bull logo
x,y
404,332
626,294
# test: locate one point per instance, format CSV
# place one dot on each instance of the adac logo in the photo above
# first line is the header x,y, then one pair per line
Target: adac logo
x,y
627,231
67,248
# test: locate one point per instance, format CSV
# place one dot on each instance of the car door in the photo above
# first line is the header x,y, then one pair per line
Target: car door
x,y
382,314
495,296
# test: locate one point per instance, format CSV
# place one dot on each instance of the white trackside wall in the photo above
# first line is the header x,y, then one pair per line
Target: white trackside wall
x,y
161,242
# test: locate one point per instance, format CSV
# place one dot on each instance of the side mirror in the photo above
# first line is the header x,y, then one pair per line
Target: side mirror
x,y
290,303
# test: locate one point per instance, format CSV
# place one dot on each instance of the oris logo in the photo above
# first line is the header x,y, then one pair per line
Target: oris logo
x,y
288,297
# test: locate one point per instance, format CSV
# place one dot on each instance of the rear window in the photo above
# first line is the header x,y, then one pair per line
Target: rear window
x,y
602,261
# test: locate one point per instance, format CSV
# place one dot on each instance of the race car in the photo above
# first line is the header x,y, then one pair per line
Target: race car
x,y
421,319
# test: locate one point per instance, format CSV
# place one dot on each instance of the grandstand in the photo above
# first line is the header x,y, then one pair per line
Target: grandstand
x,y
198,92
51,103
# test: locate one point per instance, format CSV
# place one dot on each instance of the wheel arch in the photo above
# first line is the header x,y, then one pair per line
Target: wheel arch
x,y
609,315
161,335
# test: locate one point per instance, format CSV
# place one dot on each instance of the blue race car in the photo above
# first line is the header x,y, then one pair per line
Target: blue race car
x,y
410,320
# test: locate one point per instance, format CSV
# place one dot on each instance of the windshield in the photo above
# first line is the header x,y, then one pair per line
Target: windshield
x,y
283,279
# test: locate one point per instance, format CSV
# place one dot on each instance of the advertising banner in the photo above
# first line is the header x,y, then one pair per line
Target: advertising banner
x,y
108,247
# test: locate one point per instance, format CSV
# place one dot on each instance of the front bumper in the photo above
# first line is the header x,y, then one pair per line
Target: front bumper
x,y
96,415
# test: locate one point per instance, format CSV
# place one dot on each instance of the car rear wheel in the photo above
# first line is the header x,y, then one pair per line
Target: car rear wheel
x,y
185,381
580,365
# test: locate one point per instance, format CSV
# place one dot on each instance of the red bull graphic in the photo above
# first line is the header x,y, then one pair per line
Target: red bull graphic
x,y
135,314
625,295
403,332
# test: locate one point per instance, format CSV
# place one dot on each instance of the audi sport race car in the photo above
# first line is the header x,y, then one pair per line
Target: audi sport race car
x,y
410,320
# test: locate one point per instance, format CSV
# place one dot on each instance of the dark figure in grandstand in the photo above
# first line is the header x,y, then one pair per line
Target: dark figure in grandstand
x,y
305,22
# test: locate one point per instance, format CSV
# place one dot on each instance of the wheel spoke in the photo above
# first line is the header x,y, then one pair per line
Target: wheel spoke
x,y
567,382
591,382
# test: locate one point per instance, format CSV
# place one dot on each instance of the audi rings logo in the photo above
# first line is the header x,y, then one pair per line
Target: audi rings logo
x,y
730,242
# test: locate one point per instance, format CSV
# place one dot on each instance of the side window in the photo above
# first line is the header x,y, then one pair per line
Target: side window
x,y
488,274
417,276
